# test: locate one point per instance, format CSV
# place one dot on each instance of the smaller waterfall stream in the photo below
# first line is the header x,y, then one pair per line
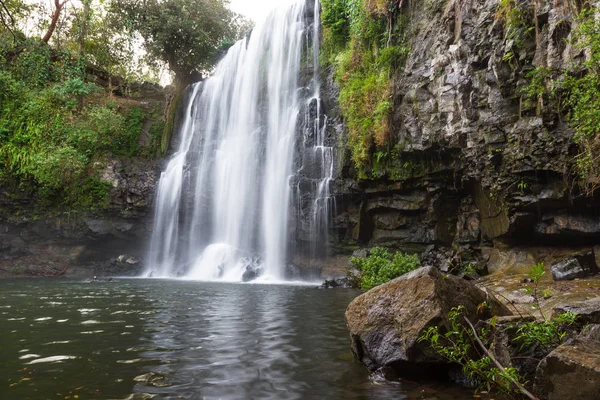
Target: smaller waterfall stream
x,y
223,203
318,157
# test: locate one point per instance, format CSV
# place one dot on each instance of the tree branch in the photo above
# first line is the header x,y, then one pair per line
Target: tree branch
x,y
5,10
500,367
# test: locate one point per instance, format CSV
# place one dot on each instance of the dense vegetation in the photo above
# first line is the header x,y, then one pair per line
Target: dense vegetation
x,y
574,92
381,266
66,103
366,44
55,127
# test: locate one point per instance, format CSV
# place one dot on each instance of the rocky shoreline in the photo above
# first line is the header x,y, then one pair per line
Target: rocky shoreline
x,y
387,323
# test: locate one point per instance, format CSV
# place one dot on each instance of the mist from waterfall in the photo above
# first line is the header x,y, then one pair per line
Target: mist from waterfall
x,y
223,201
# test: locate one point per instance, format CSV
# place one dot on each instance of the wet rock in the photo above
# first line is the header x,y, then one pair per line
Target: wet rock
x,y
114,267
572,370
385,323
254,269
361,253
337,283
568,270
588,311
153,379
132,261
569,225
587,260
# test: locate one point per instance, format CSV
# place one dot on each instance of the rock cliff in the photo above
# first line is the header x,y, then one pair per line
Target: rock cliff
x,y
487,173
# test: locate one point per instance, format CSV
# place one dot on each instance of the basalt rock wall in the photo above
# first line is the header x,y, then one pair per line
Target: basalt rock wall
x,y
489,176
34,242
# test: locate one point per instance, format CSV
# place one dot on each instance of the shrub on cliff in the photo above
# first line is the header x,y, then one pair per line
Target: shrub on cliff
x,y
381,266
56,128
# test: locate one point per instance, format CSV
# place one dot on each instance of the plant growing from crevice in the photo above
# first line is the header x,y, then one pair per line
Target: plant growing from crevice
x,y
535,275
518,26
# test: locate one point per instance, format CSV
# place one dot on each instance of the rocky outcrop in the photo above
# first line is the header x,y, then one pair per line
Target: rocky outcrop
x,y
386,322
483,167
82,243
572,370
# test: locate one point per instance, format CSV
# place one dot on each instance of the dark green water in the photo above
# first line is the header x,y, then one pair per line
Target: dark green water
x,y
132,339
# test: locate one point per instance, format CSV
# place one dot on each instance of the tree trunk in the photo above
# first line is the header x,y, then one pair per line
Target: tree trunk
x,y
59,6
83,26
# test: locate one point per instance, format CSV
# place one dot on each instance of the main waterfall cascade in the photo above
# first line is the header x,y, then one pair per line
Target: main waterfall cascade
x,y
226,197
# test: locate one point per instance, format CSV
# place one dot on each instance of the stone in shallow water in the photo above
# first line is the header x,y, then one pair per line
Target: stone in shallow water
x,y
336,283
254,269
153,379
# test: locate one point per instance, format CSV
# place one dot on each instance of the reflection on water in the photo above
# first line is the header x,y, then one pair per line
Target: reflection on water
x,y
172,339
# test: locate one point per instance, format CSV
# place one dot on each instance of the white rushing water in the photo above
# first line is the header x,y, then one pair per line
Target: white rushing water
x,y
323,156
223,201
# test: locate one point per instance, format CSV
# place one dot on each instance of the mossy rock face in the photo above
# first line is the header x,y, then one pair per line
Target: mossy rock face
x,y
173,113
386,322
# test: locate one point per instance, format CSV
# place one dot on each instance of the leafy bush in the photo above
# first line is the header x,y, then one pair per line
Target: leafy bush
x,y
548,334
381,266
55,126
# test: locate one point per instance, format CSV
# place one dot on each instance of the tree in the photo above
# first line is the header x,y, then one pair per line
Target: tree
x,y
187,35
8,21
11,12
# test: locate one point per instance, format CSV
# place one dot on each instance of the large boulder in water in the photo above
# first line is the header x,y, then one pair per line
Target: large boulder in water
x,y
386,322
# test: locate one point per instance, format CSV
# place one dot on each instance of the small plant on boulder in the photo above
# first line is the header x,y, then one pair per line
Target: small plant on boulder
x,y
381,266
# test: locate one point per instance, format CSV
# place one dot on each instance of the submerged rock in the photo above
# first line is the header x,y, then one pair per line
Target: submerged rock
x,y
386,322
337,283
153,379
572,370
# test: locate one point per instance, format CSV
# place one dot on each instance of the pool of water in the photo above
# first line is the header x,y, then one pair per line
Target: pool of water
x,y
138,339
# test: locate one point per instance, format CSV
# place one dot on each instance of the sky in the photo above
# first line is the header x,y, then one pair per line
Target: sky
x,y
254,9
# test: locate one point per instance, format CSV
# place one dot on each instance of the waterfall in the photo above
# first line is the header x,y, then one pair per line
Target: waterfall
x,y
313,198
223,201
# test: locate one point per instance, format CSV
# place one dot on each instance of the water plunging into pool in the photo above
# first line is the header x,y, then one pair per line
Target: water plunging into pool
x,y
223,202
